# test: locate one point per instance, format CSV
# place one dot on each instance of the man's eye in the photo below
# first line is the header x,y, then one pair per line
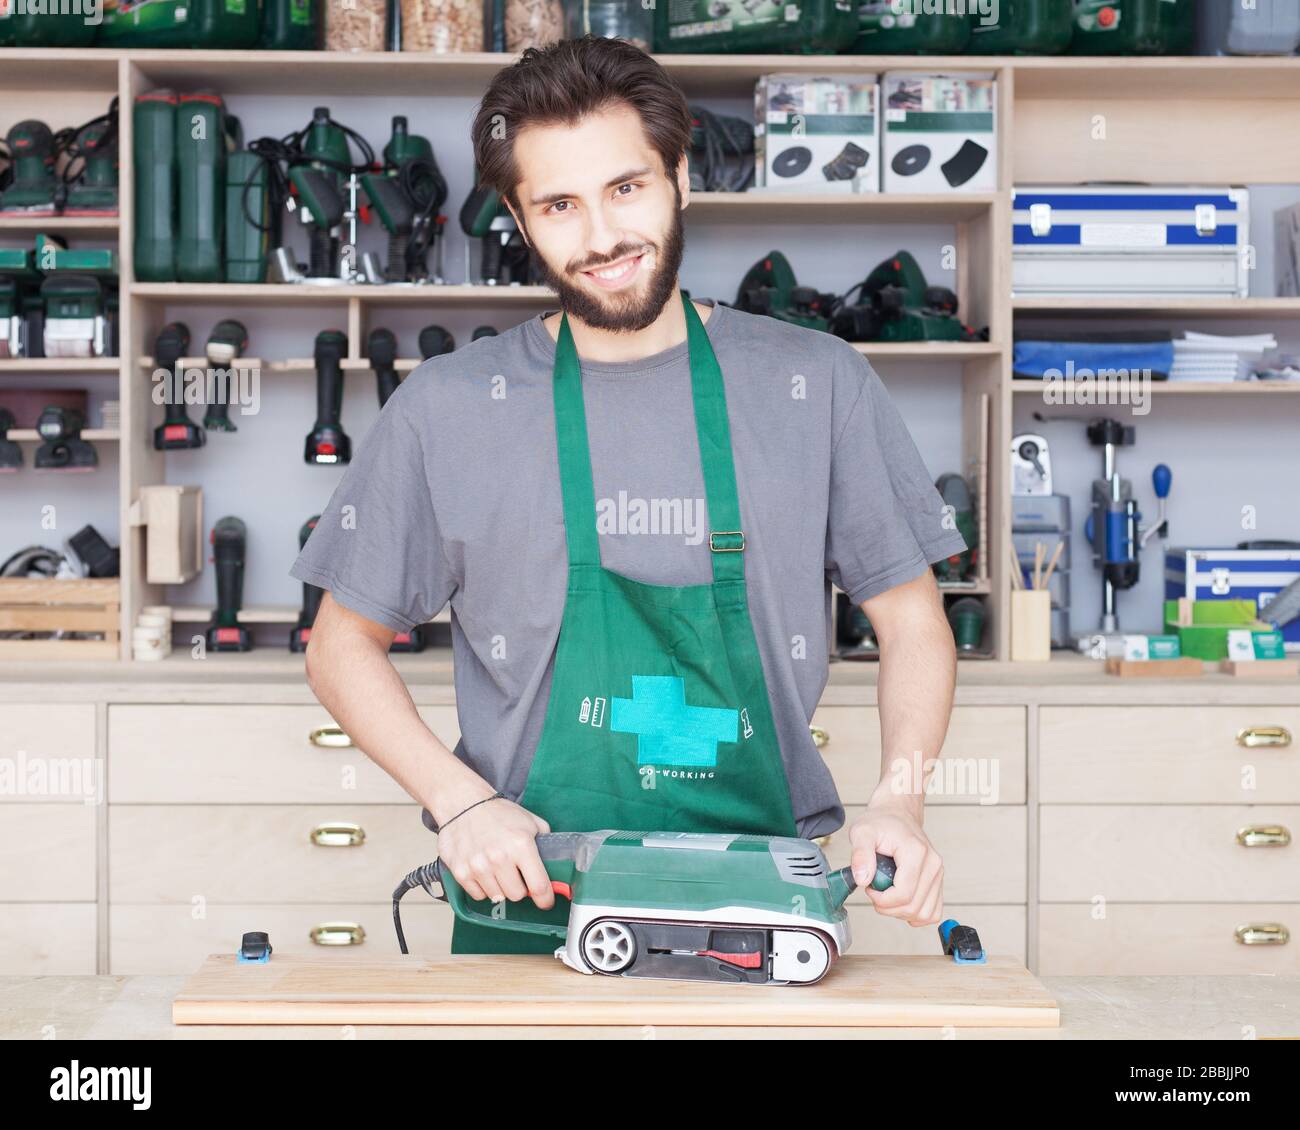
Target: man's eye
x,y
627,187
560,205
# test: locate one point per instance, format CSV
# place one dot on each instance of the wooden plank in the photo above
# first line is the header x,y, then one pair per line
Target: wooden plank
x,y
859,991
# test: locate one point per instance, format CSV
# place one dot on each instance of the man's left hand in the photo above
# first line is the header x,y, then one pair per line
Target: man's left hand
x,y
917,893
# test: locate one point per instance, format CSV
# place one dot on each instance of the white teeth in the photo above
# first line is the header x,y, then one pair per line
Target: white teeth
x,y
613,272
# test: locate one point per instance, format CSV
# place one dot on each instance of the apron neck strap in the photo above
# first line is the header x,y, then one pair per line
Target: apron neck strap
x,y
712,431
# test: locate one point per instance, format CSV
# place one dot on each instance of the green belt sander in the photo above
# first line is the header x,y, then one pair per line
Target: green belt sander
x,y
765,910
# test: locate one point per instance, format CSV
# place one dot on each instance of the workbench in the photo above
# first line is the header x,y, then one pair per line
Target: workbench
x,y
222,780
1092,1008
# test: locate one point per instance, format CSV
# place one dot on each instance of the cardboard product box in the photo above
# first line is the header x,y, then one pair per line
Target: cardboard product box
x,y
1246,576
817,133
940,132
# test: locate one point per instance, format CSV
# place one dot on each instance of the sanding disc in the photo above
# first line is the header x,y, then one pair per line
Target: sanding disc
x,y
910,160
965,163
793,161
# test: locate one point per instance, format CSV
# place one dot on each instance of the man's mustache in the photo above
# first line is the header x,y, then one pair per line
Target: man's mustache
x,y
621,252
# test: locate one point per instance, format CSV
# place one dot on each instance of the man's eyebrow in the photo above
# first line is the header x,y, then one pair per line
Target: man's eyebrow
x,y
630,174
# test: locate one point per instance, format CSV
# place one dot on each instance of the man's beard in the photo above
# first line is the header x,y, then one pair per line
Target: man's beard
x,y
625,312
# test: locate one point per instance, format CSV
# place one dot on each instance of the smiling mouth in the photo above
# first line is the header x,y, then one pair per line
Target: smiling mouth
x,y
614,275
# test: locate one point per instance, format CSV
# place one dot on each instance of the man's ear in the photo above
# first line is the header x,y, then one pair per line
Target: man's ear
x,y
523,231
684,180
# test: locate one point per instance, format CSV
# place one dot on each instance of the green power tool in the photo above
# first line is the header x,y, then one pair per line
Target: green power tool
x,y
762,910
90,170
62,448
33,183
226,344
311,597
504,258
229,540
325,183
960,503
407,197
177,432
769,287
896,304
11,455
327,442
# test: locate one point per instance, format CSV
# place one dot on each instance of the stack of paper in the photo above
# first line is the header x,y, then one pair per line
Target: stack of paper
x,y
1214,357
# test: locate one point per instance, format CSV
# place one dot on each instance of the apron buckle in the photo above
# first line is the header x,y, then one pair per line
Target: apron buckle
x,y
716,548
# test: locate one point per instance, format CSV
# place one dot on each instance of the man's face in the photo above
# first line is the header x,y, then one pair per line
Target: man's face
x,y
602,217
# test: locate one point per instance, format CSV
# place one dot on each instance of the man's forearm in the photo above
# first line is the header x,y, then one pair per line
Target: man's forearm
x,y
918,671
353,679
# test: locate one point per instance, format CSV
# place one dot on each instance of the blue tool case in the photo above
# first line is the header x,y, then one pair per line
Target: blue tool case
x,y
1092,240
1234,574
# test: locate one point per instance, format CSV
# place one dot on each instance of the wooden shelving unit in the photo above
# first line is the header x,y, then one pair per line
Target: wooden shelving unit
x,y
1060,120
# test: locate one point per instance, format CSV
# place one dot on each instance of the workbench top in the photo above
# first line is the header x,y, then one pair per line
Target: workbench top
x,y
1164,1008
274,676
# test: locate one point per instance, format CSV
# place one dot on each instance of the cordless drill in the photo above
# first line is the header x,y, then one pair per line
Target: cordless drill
x,y
434,341
311,597
177,432
382,349
229,540
11,455
327,443
226,344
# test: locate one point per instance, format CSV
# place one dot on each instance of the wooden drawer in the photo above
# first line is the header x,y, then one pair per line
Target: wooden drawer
x,y
1141,939
45,939
47,853
1168,755
52,750
261,853
168,940
253,754
1001,930
983,850
1164,853
983,756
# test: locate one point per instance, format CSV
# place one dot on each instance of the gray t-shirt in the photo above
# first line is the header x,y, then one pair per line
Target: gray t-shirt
x,y
454,495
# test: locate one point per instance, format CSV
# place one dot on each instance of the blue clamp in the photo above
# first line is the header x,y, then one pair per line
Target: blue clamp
x,y
255,947
961,943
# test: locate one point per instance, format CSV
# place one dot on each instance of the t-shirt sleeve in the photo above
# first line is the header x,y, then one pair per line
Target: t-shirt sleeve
x,y
886,519
377,547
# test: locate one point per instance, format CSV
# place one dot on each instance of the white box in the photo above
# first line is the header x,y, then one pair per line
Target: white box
x,y
940,132
817,133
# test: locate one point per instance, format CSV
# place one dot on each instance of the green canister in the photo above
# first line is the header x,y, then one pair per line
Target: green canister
x,y
154,154
1023,27
1134,27
291,25
200,186
808,27
898,27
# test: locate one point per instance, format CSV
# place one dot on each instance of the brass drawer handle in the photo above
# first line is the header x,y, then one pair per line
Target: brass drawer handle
x,y
1258,737
338,835
821,738
1262,934
1263,835
338,934
329,737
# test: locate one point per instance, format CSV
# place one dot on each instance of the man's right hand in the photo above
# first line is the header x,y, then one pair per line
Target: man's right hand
x,y
491,851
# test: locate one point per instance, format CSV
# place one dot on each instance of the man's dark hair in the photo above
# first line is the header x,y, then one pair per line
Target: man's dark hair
x,y
566,81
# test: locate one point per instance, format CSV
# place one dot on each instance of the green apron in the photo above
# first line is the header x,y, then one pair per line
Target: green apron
x,y
658,717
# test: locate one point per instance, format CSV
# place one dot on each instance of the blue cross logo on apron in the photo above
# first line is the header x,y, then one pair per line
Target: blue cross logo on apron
x,y
670,732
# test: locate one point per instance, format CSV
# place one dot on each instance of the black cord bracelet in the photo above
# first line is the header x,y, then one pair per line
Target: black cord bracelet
x,y
494,796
